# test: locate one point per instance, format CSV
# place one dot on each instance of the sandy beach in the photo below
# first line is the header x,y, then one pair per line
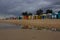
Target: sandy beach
x,y
30,34
55,23
27,34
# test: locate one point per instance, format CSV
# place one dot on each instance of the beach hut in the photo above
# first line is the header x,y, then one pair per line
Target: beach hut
x,y
43,16
12,18
49,16
54,16
25,17
39,17
20,17
58,14
35,16
30,16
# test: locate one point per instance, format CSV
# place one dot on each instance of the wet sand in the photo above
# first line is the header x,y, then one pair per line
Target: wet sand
x,y
28,34
9,26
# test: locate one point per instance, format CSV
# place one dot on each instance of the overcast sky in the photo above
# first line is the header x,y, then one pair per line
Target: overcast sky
x,y
15,7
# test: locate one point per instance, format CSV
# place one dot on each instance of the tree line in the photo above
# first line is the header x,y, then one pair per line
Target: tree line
x,y
38,12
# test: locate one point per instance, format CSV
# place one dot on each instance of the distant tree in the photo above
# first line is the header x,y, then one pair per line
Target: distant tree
x,y
19,17
39,12
24,13
30,14
49,11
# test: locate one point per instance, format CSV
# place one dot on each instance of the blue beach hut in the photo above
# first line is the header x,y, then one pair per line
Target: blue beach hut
x,y
54,16
44,16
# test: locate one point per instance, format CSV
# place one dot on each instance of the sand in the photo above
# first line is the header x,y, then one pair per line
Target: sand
x,y
28,34
55,23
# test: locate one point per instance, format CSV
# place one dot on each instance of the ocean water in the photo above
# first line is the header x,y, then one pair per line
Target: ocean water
x,y
9,26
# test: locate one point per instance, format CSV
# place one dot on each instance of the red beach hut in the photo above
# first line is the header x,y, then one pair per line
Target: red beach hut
x,y
25,17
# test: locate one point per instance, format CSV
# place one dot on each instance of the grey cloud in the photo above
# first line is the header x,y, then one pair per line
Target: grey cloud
x,y
15,7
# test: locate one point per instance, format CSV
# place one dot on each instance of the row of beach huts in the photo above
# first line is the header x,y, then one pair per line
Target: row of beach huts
x,y
42,16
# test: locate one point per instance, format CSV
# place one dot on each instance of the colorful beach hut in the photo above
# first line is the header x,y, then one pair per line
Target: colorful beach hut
x,y
30,16
36,16
25,17
20,17
49,16
39,17
59,15
43,16
54,16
